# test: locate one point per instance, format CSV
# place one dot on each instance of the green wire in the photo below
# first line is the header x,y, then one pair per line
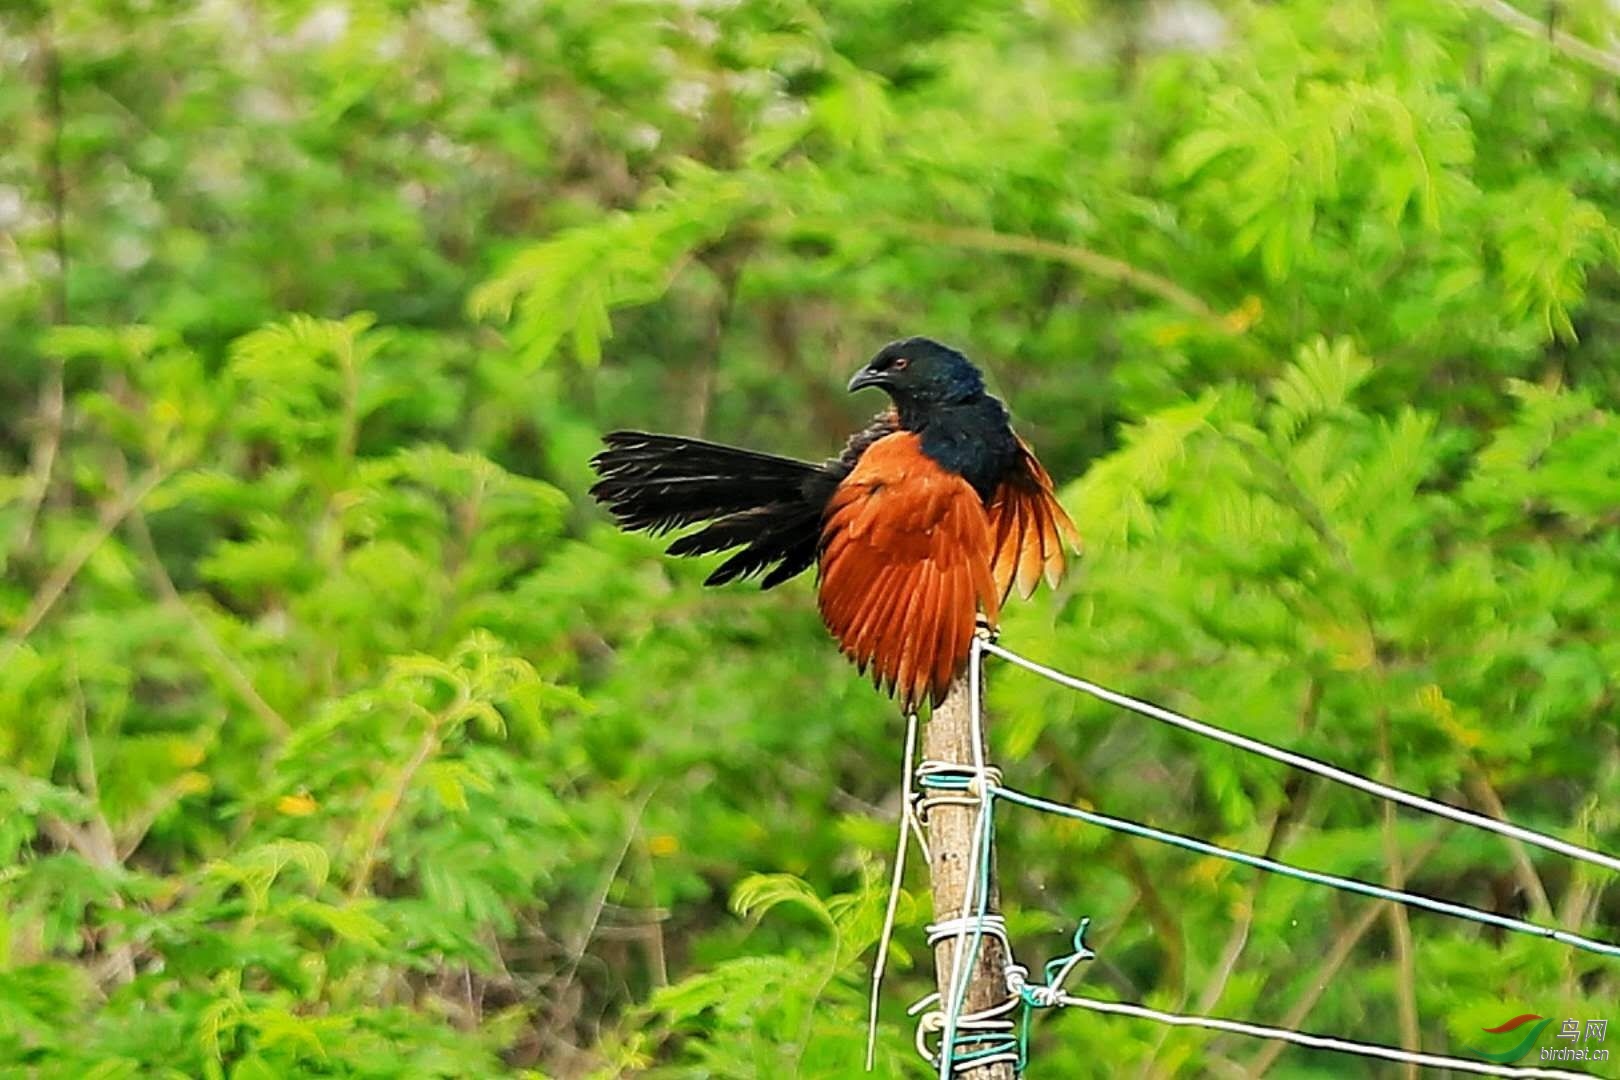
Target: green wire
x,y
985,1044
1187,843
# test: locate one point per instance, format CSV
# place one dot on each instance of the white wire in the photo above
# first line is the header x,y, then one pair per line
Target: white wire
x,y
959,968
991,1021
906,814
1299,761
1317,1042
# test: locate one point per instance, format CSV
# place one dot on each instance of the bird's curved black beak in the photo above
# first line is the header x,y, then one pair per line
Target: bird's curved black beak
x,y
864,378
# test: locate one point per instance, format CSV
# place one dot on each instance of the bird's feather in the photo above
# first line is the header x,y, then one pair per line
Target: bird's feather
x,y
770,507
905,566
1029,529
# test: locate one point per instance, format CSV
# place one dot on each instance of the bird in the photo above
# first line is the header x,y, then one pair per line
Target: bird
x,y
919,530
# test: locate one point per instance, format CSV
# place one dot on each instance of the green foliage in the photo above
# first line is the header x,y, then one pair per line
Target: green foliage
x,y
340,736
796,1013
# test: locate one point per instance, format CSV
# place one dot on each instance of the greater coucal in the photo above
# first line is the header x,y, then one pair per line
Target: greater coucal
x,y
929,516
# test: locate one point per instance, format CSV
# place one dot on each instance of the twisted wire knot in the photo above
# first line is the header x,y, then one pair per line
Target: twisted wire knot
x,y
986,1037
949,783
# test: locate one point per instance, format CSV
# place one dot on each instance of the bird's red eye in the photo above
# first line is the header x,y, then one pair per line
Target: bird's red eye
x,y
900,363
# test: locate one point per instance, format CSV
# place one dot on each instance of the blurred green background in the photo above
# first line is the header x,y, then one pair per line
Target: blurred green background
x,y
343,737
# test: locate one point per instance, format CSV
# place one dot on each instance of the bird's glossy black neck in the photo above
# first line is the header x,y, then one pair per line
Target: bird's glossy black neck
x,y
970,438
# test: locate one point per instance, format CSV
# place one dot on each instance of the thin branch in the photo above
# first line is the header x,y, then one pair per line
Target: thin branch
x,y
599,900
1568,44
1164,921
93,841
56,176
1400,926
70,838
1582,897
48,439
112,515
1325,972
47,443
138,825
780,324
725,262
654,917
425,749
837,796
349,427
85,755
1092,262
1103,964
1293,806
227,665
1479,787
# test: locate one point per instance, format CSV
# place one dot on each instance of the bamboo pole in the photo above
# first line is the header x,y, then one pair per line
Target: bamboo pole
x,y
948,736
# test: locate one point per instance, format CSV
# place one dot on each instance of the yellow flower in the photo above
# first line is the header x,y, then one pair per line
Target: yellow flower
x,y
299,805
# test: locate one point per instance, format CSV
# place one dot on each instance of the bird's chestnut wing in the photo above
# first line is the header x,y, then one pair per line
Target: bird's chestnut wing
x,y
1029,528
905,566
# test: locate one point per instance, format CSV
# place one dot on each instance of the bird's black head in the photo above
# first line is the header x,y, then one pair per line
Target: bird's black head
x,y
920,373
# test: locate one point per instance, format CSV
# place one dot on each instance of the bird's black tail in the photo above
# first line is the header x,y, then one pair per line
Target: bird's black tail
x,y
768,506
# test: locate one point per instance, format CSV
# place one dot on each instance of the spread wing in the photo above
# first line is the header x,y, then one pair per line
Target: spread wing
x,y
764,509
1028,528
905,566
